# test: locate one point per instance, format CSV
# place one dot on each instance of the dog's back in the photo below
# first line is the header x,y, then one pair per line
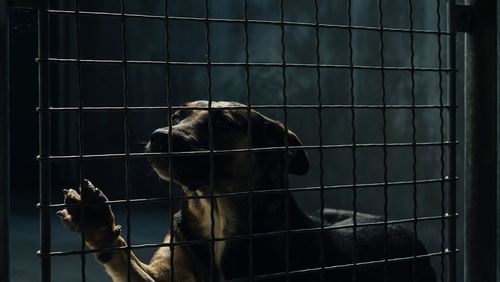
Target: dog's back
x,y
306,247
373,245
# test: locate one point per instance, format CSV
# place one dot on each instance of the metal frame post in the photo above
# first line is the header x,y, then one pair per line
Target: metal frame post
x,y
481,142
44,141
4,142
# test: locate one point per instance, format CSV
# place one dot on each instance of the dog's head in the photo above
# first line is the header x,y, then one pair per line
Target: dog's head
x,y
190,134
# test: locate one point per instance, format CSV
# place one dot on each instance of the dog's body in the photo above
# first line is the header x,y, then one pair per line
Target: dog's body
x,y
267,233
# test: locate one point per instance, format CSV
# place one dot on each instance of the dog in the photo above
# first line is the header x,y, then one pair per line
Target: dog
x,y
264,236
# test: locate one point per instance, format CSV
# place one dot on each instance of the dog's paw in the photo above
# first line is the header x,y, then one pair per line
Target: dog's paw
x,y
88,213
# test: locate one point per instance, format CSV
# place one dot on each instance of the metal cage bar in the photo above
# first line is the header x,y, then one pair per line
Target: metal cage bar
x,y
354,143
384,133
242,64
171,199
126,134
252,155
452,128
285,138
269,191
211,147
321,142
442,148
81,133
242,21
414,139
229,151
4,143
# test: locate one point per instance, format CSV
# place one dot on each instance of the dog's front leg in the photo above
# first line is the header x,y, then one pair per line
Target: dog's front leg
x,y
101,232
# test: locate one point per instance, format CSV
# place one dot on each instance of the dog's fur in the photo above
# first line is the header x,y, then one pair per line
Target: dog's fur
x,y
270,213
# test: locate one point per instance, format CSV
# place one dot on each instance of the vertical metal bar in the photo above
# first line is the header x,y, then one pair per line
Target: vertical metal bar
x,y
250,144
4,142
81,145
442,140
210,144
452,203
126,130
384,133
170,163
353,140
285,124
414,139
44,141
481,143
321,142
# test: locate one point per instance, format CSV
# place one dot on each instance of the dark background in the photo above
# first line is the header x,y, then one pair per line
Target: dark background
x,y
102,85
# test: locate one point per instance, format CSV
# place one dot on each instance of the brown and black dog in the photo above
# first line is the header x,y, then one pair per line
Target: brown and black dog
x,y
305,255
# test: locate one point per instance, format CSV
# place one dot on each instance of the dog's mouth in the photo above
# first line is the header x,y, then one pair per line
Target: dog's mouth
x,y
184,167
160,163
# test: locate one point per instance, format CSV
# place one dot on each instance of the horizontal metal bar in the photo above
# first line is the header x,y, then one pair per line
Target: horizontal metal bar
x,y
344,266
162,108
241,64
252,236
229,151
243,21
256,191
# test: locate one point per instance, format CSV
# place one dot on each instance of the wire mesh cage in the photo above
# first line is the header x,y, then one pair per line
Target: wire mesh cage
x,y
367,87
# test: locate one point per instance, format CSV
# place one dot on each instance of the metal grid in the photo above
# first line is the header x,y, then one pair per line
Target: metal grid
x,y
447,232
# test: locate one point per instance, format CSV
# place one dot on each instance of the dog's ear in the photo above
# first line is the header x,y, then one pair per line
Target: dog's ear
x,y
298,161
270,133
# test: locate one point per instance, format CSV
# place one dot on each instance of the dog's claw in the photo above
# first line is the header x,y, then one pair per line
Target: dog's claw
x,y
88,191
97,192
62,214
87,184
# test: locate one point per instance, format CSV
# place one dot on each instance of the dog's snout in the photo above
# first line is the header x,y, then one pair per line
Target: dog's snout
x,y
159,137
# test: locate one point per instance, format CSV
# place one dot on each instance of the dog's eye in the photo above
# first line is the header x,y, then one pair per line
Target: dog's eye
x,y
220,120
176,118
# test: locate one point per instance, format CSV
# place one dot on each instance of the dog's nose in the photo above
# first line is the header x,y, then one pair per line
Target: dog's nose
x,y
159,138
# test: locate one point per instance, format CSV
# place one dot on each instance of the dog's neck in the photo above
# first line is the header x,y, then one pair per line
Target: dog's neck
x,y
225,216
212,217
217,209
228,215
